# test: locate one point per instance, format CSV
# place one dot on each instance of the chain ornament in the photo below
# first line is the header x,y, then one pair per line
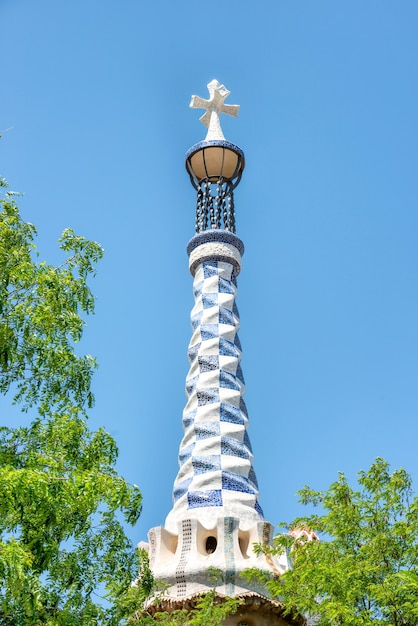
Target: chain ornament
x,y
215,206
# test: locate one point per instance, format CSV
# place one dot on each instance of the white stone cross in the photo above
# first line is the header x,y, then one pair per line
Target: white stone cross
x,y
214,106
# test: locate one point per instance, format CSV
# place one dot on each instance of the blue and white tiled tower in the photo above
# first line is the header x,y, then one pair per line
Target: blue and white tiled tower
x,y
216,516
216,477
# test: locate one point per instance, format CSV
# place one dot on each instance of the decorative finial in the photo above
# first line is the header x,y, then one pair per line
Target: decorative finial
x,y
214,106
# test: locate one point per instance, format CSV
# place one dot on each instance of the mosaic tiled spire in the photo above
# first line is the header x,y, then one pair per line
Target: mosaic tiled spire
x,y
216,476
216,517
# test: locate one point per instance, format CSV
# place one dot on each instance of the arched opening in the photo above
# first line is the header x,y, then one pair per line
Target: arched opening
x,y
243,540
211,544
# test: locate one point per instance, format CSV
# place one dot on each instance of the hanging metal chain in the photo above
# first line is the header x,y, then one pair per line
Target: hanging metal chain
x,y
202,206
206,205
215,206
218,203
231,212
199,210
224,206
210,205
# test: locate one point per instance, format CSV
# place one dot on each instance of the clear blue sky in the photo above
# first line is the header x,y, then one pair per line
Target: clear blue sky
x,y
95,123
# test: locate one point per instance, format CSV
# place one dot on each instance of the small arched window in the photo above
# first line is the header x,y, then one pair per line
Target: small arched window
x,y
211,544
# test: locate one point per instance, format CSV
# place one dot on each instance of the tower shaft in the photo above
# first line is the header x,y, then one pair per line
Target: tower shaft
x,y
216,518
216,477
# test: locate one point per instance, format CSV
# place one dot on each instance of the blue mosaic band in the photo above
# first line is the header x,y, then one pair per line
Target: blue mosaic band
x,y
215,245
215,236
216,477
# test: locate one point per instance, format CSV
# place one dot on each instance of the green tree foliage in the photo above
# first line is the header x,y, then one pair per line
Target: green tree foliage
x,y
208,610
62,503
64,557
40,307
364,569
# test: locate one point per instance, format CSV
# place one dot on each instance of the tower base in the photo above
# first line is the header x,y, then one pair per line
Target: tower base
x,y
196,560
254,611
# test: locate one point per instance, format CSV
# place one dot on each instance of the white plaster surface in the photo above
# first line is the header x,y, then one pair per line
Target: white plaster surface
x,y
214,107
180,560
215,250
